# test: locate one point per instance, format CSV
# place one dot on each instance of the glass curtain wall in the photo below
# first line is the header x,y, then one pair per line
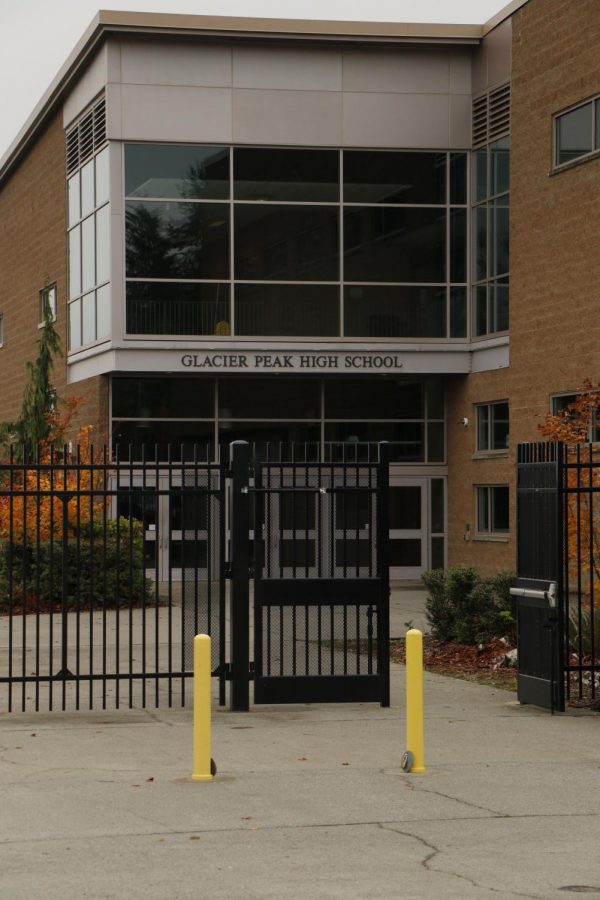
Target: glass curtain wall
x,y
295,242
335,418
490,236
89,252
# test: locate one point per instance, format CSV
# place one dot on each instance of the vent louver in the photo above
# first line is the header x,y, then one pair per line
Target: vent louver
x,y
491,116
87,136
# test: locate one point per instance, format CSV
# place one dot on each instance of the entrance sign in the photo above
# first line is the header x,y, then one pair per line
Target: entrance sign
x,y
296,362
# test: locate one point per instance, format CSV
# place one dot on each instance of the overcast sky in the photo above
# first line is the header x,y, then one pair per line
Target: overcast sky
x,y
38,35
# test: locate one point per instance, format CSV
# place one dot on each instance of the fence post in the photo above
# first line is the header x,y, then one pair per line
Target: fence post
x,y
240,577
383,570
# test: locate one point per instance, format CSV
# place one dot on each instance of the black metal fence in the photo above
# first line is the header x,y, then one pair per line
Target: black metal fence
x,y
111,563
558,569
108,567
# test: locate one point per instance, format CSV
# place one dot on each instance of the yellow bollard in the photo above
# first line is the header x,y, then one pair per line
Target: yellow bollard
x,y
414,758
202,761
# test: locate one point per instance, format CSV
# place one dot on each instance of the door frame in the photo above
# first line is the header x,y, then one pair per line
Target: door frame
x,y
412,573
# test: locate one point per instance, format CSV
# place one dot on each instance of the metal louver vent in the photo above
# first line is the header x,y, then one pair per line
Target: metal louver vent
x,y
87,136
491,115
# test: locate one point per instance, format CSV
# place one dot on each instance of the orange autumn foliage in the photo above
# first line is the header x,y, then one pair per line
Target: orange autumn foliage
x,y
32,491
575,426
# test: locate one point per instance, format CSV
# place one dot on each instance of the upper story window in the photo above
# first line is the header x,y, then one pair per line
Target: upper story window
x,y
260,241
48,301
577,133
492,427
89,236
490,186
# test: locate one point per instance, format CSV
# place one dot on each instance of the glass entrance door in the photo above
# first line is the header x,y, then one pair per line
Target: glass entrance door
x,y
408,527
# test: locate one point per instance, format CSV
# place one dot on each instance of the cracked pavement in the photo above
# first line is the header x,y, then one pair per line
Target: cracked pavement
x,y
310,802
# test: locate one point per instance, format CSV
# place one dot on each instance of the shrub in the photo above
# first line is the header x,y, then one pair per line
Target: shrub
x,y
464,607
102,569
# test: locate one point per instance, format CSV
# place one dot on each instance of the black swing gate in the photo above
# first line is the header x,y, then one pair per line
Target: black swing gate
x,y
558,574
320,577
109,566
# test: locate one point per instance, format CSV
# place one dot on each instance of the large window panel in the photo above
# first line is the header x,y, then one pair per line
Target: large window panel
x,y
103,245
407,438
499,236
102,177
163,398
129,437
500,166
269,398
372,176
269,435
74,262
266,173
381,398
176,171
458,245
458,312
286,243
103,310
378,311
177,240
287,309
88,254
394,244
458,178
177,308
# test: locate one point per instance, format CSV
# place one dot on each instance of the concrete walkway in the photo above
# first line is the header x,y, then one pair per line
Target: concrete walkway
x,y
310,802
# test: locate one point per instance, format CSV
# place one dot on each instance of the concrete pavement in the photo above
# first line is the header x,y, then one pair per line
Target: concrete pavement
x,y
310,802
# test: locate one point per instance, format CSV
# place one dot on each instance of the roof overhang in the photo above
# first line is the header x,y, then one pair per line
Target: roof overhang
x,y
107,22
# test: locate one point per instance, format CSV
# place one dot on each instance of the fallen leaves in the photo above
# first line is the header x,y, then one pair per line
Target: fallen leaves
x,y
484,664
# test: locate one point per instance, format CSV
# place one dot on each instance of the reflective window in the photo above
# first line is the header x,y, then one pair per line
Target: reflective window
x,y
407,438
163,398
177,240
275,174
178,308
363,398
287,309
269,398
286,243
404,232
375,176
394,244
176,171
89,251
490,238
574,134
377,311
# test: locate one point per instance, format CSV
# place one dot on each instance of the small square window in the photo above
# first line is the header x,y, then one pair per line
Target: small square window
x,y
48,300
492,427
492,509
560,407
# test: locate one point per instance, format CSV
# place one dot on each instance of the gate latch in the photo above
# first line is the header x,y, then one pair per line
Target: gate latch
x,y
549,595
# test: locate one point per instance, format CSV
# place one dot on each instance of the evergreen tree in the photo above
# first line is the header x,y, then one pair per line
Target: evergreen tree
x,y
39,398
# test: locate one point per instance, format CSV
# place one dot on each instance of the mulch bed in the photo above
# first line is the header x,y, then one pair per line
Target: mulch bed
x,y
484,664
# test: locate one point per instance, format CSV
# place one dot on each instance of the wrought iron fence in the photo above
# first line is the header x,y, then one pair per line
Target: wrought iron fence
x,y
108,567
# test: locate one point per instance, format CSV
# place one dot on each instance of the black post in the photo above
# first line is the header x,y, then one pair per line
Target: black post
x,y
562,599
240,577
383,569
64,657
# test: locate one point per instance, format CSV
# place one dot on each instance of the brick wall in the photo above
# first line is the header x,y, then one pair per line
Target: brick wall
x,y
32,251
555,219
465,470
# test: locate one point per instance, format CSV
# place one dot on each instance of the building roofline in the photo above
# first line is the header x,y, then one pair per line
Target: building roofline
x,y
118,21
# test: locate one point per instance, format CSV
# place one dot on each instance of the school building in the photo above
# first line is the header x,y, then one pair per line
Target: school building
x,y
323,233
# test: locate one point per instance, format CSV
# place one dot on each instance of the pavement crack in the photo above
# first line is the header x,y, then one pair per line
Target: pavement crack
x,y
435,851
468,803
